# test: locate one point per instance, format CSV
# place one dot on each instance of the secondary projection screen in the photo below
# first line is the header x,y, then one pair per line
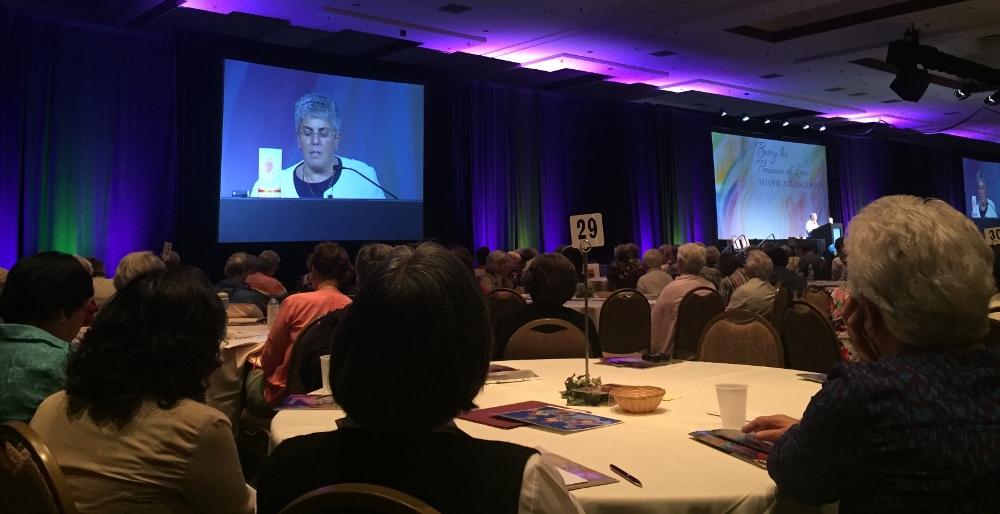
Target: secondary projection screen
x,y
982,185
765,187
290,173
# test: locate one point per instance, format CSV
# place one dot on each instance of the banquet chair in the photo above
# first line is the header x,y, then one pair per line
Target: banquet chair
x,y
546,338
294,379
354,497
782,299
632,279
625,323
697,307
500,301
738,336
810,339
818,297
30,477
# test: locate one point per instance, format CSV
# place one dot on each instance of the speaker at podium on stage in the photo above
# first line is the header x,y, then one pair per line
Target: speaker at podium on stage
x,y
828,233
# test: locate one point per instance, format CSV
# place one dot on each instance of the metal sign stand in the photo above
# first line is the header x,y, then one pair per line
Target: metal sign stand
x,y
585,249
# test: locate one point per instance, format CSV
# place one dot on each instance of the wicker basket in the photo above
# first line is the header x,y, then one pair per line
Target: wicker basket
x,y
638,399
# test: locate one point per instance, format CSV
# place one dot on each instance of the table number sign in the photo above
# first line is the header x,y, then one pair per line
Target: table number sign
x,y
992,235
587,227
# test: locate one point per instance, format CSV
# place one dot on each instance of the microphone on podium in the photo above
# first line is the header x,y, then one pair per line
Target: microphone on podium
x,y
338,167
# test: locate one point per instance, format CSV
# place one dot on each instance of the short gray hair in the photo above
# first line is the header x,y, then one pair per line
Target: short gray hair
x,y
268,260
759,264
368,258
493,261
319,107
133,265
712,255
653,259
692,257
945,300
239,263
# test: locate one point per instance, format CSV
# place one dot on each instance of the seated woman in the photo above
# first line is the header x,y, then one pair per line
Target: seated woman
x,y
43,306
401,384
551,282
328,266
130,432
497,267
915,427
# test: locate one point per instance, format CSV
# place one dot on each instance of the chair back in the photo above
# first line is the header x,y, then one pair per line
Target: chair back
x,y
500,301
818,297
824,272
294,380
353,497
810,339
782,299
632,279
696,309
625,323
546,338
30,477
741,337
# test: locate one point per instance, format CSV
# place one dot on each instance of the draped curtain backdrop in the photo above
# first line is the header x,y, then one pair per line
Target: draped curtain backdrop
x,y
87,150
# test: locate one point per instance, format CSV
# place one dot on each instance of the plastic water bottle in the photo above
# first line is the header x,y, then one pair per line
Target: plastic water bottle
x,y
272,311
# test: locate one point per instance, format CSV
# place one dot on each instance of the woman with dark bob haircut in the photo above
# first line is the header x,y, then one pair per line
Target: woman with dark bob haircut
x,y
551,282
43,306
410,355
130,430
329,267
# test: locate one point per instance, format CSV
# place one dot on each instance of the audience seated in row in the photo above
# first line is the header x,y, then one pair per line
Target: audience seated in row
x,y
690,261
551,281
43,305
838,268
133,265
317,343
733,276
130,431
401,385
757,295
711,270
244,302
654,280
781,272
626,261
328,265
262,279
497,267
809,262
915,427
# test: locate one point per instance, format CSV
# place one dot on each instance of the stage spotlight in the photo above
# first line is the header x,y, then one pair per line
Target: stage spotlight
x,y
722,112
822,128
963,92
745,117
784,123
805,126
767,120
911,83
993,99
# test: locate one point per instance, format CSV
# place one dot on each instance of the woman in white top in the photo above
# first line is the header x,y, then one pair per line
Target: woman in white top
x,y
130,431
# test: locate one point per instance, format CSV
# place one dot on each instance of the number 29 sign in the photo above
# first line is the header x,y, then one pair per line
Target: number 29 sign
x,y
587,227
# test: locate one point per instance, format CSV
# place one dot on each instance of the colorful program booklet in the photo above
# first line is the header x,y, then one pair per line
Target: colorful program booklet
x,y
308,401
636,362
558,418
736,443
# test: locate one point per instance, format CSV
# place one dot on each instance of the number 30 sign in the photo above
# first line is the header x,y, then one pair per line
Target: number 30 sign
x,y
992,235
589,227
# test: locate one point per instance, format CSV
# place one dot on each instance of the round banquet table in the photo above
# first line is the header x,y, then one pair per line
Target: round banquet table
x,y
594,308
678,473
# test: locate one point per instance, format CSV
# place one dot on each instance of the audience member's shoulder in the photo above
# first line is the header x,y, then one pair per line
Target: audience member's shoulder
x,y
53,405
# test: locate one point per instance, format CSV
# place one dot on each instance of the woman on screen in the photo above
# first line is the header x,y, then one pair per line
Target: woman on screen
x,y
320,173
982,207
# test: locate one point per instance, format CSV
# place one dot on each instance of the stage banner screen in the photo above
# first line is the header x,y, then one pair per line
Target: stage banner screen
x,y
766,187
982,189
311,157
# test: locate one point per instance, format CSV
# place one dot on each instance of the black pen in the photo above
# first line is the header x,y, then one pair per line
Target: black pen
x,y
621,472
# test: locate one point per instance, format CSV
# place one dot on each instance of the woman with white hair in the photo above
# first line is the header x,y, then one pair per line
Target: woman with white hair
x,y
915,427
133,265
757,295
497,267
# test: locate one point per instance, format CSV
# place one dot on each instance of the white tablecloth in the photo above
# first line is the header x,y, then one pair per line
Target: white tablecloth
x,y
678,474
594,308
226,383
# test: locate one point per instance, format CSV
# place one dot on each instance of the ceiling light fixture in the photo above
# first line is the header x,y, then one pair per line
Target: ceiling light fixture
x,y
993,99
963,92
767,120
745,117
722,112
805,126
822,128
784,123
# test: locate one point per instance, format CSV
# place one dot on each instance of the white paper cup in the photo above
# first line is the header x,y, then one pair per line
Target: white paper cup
x,y
732,405
324,366
224,298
